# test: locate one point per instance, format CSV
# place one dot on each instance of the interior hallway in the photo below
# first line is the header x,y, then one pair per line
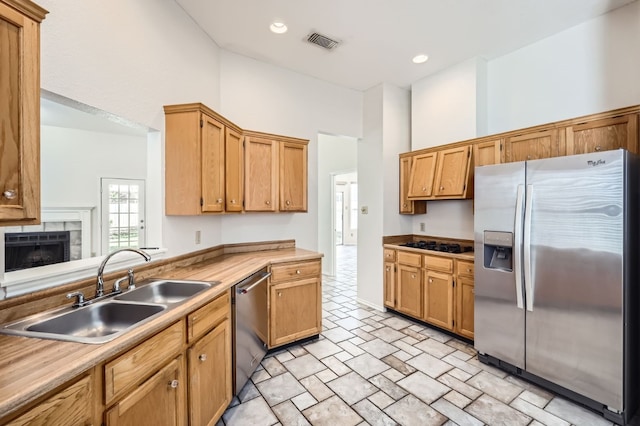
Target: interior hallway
x,y
376,368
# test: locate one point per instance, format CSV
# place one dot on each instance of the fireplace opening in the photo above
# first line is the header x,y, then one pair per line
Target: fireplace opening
x,y
25,250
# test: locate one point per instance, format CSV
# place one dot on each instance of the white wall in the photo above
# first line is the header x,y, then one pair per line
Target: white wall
x,y
130,58
449,106
336,154
590,68
263,97
386,121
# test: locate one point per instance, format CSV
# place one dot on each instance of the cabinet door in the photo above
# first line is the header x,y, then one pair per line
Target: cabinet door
x,y
603,135
487,153
71,406
464,306
294,311
438,299
453,169
531,146
261,168
234,178
408,206
210,376
409,290
161,400
390,284
213,186
293,177
19,118
423,171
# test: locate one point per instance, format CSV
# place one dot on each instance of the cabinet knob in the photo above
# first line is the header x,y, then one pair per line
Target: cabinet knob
x,y
288,202
233,201
442,188
430,280
468,270
297,271
413,276
10,194
528,157
387,269
174,384
279,294
598,148
202,357
267,203
424,189
404,205
219,200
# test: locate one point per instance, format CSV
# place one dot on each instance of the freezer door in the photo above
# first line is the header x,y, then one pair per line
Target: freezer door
x,y
574,324
499,311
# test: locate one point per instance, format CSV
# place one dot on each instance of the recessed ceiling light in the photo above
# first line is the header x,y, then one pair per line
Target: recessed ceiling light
x,y
420,59
278,28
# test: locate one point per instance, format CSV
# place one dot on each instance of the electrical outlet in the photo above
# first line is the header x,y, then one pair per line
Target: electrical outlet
x,y
198,237
421,226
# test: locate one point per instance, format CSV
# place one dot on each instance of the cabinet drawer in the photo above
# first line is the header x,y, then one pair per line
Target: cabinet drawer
x,y
438,264
389,255
207,317
288,271
465,268
140,362
411,259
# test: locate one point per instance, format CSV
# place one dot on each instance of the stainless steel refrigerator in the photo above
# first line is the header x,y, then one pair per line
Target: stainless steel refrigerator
x,y
556,275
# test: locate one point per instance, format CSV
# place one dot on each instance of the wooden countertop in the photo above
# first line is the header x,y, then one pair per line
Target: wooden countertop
x,y
469,256
32,367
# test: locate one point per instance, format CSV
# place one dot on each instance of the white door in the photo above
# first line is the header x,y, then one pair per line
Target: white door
x,y
122,213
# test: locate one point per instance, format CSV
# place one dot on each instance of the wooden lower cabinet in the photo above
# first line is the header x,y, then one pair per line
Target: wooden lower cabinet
x,y
294,311
465,296
390,284
159,401
409,290
210,380
438,299
436,289
73,405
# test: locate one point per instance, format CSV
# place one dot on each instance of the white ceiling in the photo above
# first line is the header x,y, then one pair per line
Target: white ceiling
x,y
379,37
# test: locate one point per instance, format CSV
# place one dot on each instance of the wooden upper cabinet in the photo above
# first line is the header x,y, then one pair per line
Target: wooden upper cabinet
x,y
423,171
487,153
20,112
453,170
234,175
213,165
199,178
293,177
603,135
261,174
531,146
408,206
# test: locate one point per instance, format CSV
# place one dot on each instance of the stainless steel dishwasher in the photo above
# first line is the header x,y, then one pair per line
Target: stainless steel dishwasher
x,y
250,326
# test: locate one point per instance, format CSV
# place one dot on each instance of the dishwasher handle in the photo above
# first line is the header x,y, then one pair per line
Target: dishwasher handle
x,y
246,290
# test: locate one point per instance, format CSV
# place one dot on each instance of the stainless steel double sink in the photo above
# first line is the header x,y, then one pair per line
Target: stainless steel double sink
x,y
107,319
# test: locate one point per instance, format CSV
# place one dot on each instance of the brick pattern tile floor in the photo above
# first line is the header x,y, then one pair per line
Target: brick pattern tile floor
x,y
375,368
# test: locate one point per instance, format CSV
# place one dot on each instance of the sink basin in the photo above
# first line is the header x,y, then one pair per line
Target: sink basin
x,y
165,292
104,320
97,320
96,323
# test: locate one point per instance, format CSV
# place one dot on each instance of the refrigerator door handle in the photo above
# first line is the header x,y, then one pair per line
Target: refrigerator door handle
x,y
517,246
528,284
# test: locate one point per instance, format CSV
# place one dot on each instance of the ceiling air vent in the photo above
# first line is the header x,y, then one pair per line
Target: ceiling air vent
x,y
322,41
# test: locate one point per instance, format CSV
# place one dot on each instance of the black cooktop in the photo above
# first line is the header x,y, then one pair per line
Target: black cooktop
x,y
436,246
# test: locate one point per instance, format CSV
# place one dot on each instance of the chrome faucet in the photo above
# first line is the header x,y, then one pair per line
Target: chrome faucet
x,y
100,282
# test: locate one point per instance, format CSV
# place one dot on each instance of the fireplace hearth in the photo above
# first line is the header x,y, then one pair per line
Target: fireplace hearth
x,y
25,250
